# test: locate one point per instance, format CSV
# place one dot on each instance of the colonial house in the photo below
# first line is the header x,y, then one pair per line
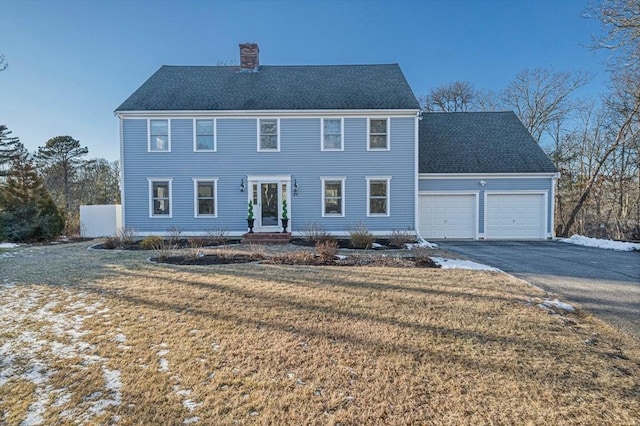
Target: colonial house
x,y
329,145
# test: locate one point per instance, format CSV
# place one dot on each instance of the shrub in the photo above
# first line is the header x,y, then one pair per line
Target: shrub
x,y
111,243
327,250
193,250
152,242
294,258
217,236
174,233
361,238
126,234
400,237
314,232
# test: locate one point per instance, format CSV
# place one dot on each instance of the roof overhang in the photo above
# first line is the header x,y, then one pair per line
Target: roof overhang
x,y
273,113
554,175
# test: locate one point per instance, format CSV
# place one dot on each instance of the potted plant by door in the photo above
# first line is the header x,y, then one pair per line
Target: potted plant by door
x,y
285,217
250,220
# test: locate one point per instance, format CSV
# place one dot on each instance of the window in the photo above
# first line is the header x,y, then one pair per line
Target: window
x,y
159,135
332,134
205,197
160,197
378,196
205,135
268,135
378,134
333,196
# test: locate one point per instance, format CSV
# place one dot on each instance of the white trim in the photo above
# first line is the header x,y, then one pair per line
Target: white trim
x,y
388,120
277,134
476,195
196,181
416,207
487,175
270,178
195,135
554,184
342,180
270,113
151,180
378,178
322,148
545,198
122,212
280,180
168,120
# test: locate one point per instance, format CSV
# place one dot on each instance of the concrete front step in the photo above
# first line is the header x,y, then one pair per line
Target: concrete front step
x,y
266,238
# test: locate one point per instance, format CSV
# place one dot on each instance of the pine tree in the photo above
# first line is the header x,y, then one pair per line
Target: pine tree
x,y
8,146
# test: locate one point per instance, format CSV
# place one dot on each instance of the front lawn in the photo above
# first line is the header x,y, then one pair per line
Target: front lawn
x,y
106,337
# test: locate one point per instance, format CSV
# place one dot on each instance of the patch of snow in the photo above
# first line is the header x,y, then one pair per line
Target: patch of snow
x,y
422,243
8,245
164,365
191,420
341,257
598,243
120,338
376,246
183,392
462,264
548,303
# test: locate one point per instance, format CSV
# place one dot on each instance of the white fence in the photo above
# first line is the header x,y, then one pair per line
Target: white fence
x,y
100,220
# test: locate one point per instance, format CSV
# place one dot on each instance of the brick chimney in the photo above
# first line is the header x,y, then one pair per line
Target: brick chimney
x,y
249,57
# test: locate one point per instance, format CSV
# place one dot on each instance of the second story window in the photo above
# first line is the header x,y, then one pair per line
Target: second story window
x,y
378,134
205,135
159,135
268,135
332,134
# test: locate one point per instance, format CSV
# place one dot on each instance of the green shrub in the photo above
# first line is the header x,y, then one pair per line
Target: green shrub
x,y
152,242
361,238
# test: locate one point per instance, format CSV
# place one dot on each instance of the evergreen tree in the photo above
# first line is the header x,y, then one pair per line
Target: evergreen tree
x,y
8,146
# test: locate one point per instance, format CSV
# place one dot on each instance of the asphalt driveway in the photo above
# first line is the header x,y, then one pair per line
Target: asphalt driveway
x,y
606,282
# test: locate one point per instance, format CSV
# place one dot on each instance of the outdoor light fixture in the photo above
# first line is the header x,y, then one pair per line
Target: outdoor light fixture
x,y
242,185
482,183
295,187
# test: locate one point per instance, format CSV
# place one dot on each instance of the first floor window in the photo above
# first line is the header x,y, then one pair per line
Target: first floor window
x,y
378,190
159,135
333,197
205,135
268,135
160,198
205,197
378,134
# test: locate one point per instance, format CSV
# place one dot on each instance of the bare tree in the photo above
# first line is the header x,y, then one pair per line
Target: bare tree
x,y
620,21
458,96
4,64
541,97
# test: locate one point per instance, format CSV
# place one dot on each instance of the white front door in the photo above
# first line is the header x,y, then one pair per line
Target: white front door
x,y
268,195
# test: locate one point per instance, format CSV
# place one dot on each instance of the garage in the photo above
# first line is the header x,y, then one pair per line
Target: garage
x,y
447,216
515,216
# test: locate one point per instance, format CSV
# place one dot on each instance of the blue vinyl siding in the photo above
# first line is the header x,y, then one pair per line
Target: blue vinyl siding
x,y
300,156
492,184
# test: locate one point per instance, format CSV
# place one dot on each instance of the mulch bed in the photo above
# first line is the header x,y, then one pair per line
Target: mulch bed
x,y
345,243
209,259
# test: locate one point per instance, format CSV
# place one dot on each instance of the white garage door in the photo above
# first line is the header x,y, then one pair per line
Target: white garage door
x,y
447,216
516,216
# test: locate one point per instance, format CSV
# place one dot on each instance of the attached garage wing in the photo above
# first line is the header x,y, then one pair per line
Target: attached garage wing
x,y
443,216
515,216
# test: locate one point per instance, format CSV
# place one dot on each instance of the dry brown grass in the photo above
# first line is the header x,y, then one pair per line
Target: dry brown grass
x,y
276,344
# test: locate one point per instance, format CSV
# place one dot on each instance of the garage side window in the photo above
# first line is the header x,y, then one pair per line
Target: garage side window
x,y
333,196
378,196
160,197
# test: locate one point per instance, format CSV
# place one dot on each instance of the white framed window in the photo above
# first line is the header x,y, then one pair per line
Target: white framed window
x,y
205,194
333,196
268,134
204,135
378,131
378,191
160,197
159,135
331,134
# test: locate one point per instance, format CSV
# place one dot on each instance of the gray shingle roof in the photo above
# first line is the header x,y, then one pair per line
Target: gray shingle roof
x,y
198,88
478,142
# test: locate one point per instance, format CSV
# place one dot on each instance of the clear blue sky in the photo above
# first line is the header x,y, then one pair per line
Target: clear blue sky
x,y
72,62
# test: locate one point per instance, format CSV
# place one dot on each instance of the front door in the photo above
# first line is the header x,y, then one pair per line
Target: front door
x,y
268,193
269,204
